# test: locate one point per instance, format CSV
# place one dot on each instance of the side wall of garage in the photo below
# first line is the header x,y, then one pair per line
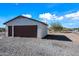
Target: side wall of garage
x,y
42,31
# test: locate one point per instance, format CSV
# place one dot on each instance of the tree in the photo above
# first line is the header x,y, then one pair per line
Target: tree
x,y
56,26
2,29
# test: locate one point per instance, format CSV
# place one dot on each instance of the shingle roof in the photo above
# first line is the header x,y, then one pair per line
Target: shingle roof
x,y
24,17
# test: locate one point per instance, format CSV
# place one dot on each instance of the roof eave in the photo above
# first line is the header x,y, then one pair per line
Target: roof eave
x,y
25,17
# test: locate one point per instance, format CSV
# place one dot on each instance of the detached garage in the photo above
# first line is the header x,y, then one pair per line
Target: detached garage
x,y
22,26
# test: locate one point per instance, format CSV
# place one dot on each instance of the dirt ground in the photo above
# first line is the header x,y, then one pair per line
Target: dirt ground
x,y
72,36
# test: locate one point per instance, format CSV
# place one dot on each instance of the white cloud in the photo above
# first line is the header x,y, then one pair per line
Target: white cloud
x,y
27,15
49,16
72,16
61,17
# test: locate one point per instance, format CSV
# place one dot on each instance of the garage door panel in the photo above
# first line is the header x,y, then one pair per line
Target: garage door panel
x,y
25,31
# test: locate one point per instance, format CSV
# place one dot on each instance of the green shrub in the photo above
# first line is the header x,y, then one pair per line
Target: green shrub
x,y
56,26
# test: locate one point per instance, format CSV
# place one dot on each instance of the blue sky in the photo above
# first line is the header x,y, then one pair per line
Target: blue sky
x,y
65,13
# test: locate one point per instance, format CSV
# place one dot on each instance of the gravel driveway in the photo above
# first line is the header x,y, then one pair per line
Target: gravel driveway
x,y
37,47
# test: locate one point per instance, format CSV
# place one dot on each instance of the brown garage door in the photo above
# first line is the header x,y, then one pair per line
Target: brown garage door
x,y
9,30
25,31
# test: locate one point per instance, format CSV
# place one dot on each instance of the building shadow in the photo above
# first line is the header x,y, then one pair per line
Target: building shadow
x,y
57,37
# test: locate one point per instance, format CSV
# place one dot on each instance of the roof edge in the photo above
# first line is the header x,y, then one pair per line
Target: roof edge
x,y
24,17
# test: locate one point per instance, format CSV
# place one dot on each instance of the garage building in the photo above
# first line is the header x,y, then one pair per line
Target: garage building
x,y
22,26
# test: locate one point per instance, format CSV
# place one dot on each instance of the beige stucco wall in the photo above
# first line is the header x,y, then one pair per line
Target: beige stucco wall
x,y
41,28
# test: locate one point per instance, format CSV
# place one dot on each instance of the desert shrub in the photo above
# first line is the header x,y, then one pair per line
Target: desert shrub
x,y
56,26
2,29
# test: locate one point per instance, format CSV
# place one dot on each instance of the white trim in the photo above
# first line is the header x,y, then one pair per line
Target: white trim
x,y
6,31
12,31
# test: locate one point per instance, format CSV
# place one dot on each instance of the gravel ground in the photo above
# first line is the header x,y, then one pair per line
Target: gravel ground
x,y
37,47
